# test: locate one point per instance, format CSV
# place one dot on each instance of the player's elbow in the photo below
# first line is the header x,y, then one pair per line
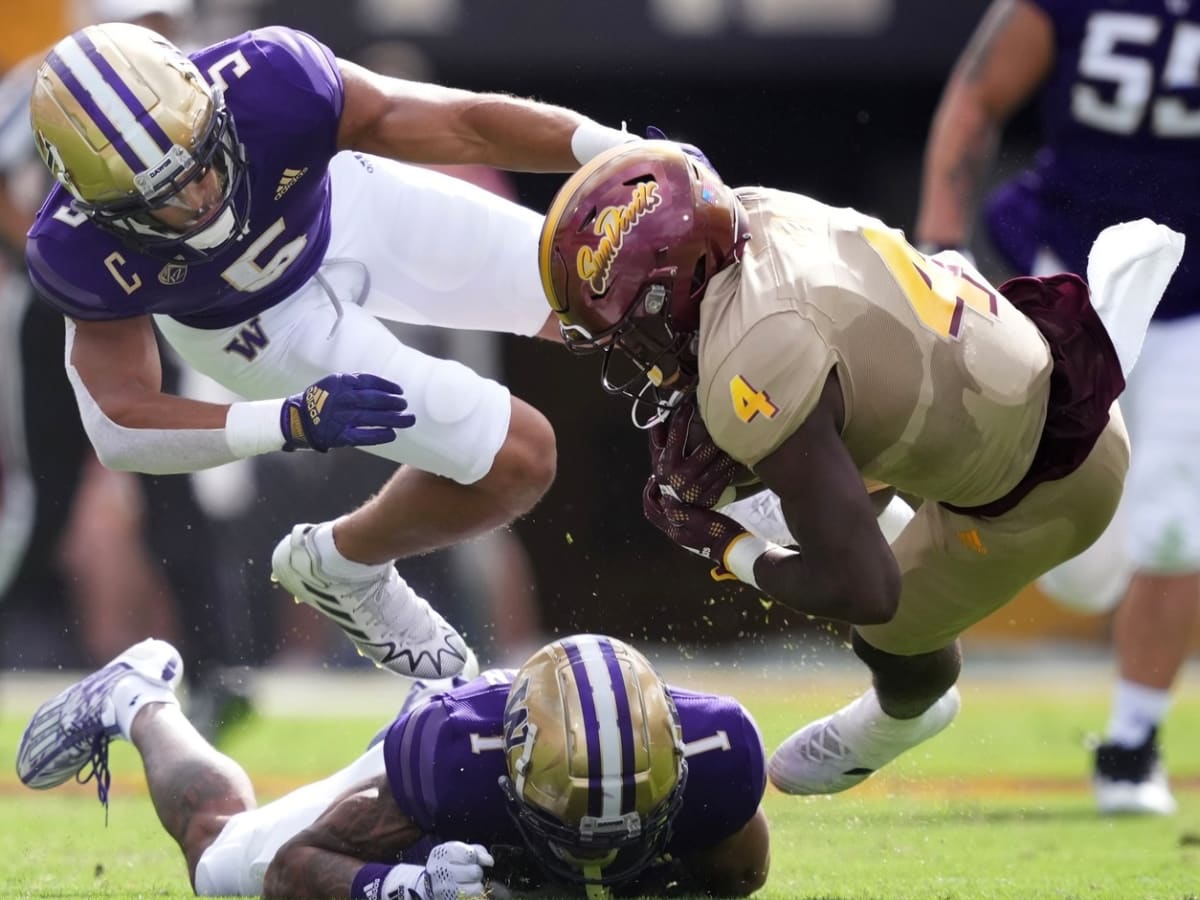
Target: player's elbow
x,y
283,875
743,881
869,589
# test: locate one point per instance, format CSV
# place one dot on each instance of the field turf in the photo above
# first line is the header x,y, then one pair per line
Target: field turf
x,y
996,807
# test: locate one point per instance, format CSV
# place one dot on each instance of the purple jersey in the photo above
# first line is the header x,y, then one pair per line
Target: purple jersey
x,y
284,93
445,758
1121,123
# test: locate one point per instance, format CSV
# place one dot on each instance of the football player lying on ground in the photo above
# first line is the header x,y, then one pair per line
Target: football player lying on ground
x,y
582,771
820,350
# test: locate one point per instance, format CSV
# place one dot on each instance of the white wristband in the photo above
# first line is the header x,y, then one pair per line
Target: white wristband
x,y
252,427
742,554
591,139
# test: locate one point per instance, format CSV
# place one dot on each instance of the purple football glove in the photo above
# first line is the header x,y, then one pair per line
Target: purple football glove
x,y
654,133
344,411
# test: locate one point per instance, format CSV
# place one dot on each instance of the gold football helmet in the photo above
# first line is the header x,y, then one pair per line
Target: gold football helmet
x,y
595,759
144,145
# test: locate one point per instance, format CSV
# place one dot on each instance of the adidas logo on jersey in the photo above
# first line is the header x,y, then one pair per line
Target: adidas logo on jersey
x,y
289,178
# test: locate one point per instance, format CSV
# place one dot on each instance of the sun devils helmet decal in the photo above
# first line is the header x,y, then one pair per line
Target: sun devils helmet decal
x,y
667,226
612,224
595,761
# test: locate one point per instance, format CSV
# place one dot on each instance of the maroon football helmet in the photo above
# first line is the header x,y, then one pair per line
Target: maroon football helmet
x,y
627,249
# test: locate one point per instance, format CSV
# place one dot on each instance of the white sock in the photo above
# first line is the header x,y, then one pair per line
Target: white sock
x,y
334,564
1136,709
133,692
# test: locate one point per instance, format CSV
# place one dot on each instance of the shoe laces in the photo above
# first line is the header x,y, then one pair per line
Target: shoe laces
x,y
824,745
96,766
375,599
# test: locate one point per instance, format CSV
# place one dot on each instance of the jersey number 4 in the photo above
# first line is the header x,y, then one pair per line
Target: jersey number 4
x,y
939,294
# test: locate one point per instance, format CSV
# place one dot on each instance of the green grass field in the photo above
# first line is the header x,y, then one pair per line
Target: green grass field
x,y
996,807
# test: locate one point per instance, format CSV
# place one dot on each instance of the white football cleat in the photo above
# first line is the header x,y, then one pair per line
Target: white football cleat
x,y
74,728
844,749
383,616
1131,780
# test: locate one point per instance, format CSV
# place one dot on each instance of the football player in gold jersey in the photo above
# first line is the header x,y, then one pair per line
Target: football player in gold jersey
x,y
823,352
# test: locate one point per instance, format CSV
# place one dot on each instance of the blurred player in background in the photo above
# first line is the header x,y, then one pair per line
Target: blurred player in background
x,y
211,198
1118,83
582,769
93,540
820,351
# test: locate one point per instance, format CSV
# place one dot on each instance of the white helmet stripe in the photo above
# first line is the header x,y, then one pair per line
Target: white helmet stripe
x,y
109,103
608,726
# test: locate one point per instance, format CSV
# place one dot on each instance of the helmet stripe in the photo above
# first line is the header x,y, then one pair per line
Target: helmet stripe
x,y
135,106
587,709
607,727
104,107
625,726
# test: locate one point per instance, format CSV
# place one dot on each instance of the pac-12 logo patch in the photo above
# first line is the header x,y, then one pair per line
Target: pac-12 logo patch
x,y
172,274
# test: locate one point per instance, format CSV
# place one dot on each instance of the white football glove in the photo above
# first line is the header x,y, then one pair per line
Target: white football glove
x,y
454,870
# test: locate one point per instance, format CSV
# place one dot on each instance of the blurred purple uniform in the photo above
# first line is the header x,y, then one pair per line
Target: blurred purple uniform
x,y
1120,118
284,92
445,758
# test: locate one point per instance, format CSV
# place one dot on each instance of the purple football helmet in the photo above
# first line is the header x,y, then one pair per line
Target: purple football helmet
x,y
628,247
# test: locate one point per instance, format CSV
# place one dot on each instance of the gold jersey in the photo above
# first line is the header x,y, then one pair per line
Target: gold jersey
x,y
945,383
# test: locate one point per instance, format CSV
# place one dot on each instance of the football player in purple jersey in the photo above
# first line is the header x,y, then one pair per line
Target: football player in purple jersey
x,y
581,771
1118,88
247,201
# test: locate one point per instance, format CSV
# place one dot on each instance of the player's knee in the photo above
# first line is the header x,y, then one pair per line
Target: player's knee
x,y
525,465
279,880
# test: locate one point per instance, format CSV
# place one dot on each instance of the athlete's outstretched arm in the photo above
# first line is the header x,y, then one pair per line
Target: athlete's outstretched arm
x,y
118,363
116,373
1009,55
845,569
428,123
363,825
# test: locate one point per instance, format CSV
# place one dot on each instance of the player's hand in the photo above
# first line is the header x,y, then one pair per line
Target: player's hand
x,y
344,411
687,464
654,133
454,870
697,529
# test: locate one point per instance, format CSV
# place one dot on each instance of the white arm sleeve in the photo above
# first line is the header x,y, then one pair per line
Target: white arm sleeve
x,y
165,451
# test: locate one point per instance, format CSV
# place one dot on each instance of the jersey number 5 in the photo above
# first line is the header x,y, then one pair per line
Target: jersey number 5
x,y
1109,56
940,295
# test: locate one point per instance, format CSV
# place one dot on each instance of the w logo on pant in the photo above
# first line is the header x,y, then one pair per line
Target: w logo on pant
x,y
249,341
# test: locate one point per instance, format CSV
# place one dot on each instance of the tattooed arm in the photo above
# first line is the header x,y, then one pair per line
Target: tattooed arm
x,y
363,825
1005,61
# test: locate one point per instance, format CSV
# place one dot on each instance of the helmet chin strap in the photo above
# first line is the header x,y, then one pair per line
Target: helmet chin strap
x,y
661,410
